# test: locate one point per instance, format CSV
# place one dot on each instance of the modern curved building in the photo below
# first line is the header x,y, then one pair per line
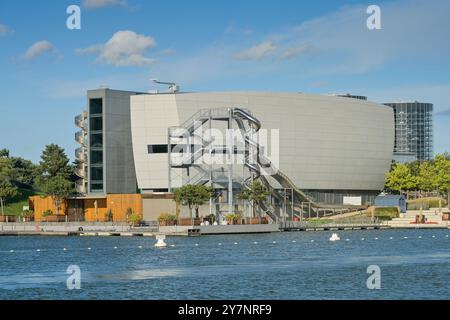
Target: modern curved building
x,y
330,147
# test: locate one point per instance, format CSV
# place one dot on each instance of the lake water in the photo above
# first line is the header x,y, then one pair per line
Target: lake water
x,y
299,265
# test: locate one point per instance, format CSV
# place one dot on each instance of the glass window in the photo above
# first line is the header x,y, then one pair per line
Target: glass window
x,y
96,157
96,186
157,148
95,106
96,173
96,123
96,140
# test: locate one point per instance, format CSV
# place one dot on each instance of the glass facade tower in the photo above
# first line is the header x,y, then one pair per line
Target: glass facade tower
x,y
413,129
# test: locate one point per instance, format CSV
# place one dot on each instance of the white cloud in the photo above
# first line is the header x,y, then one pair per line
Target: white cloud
x,y
257,52
232,29
294,51
96,48
339,43
96,4
4,30
125,48
38,49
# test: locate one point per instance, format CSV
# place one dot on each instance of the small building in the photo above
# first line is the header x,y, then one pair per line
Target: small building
x,y
94,208
391,200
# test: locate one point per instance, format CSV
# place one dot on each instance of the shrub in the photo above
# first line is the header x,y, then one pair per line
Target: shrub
x,y
109,215
128,213
425,203
47,213
211,218
167,217
28,213
135,218
233,217
319,221
383,213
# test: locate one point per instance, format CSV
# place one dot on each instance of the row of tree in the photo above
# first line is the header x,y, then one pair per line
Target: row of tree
x,y
53,176
426,176
194,196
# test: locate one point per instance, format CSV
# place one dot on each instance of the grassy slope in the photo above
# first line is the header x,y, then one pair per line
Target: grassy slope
x,y
15,206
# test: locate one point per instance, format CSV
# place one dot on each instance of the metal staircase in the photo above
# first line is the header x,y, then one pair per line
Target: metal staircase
x,y
81,153
284,203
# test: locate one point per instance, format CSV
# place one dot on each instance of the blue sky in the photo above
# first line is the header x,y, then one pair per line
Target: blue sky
x,y
316,46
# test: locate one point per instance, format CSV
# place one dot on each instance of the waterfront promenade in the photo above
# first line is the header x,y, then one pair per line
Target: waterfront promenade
x,y
431,219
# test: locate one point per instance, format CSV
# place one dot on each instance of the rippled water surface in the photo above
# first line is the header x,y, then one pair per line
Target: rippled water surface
x,y
415,264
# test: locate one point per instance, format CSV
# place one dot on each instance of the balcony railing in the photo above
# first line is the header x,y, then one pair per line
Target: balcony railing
x,y
80,154
80,172
80,137
80,120
80,186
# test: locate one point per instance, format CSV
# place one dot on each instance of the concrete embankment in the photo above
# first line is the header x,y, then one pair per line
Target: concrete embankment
x,y
87,229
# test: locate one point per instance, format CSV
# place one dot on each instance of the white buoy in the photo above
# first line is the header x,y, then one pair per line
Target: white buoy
x,y
433,236
274,242
362,239
347,239
196,244
11,251
219,244
334,237
38,250
235,243
293,241
115,247
376,238
390,238
420,237
405,237
446,236
64,249
140,247
255,242
312,240
89,249
160,243
172,245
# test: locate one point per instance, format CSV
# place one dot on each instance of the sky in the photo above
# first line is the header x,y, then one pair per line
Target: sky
x,y
281,46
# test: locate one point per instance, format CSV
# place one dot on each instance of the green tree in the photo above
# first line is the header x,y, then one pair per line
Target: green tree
x,y
427,177
54,175
255,194
54,162
442,164
4,153
401,179
25,171
193,196
7,189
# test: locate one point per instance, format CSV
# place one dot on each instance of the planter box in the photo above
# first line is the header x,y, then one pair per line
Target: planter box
x,y
167,223
54,219
252,220
7,218
186,221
